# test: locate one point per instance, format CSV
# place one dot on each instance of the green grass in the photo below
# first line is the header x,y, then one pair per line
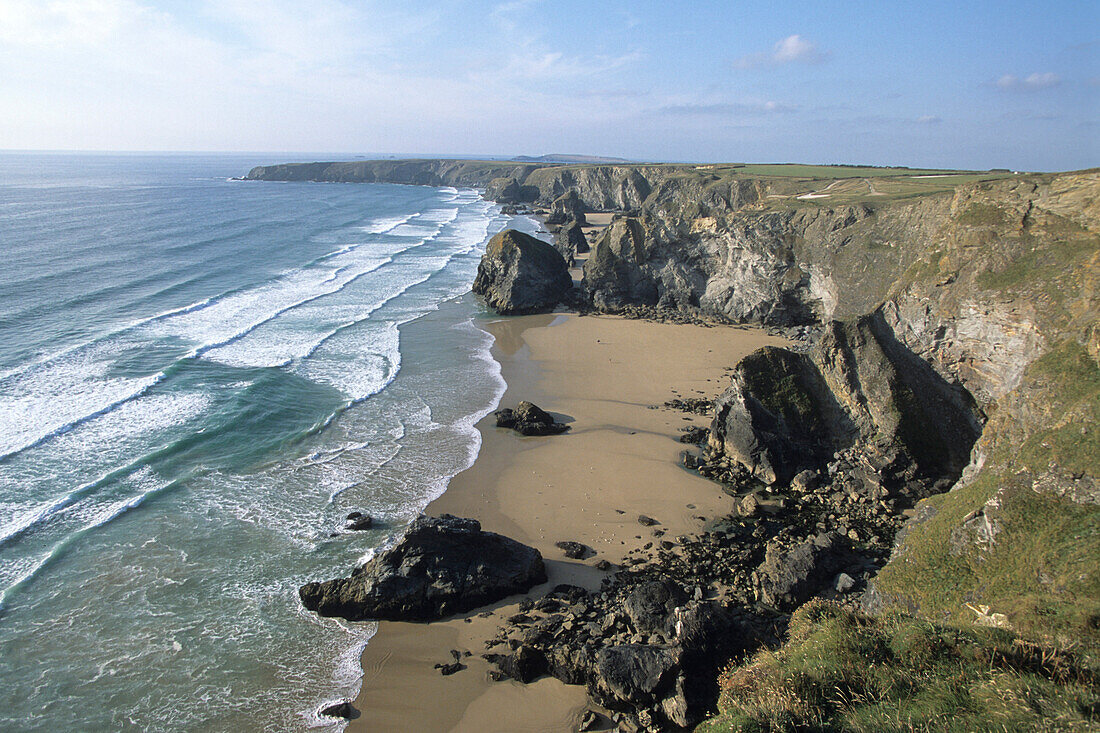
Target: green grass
x,y
843,671
1041,570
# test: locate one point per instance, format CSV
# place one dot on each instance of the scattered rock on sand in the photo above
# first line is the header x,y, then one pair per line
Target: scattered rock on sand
x,y
575,550
647,521
529,419
444,565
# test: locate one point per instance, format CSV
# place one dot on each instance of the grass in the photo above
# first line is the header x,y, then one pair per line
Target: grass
x,y
843,671
1041,569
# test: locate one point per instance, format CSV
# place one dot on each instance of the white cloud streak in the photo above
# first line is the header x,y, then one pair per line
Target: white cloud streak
x,y
1030,83
790,50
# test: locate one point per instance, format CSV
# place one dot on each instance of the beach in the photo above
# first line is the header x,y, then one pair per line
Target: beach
x,y
608,377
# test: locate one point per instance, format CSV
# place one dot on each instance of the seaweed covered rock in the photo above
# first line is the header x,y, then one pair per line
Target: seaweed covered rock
x,y
444,565
520,274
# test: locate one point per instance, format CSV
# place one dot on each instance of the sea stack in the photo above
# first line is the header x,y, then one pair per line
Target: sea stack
x,y
519,274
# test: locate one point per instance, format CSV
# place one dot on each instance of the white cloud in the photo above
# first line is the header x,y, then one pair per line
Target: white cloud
x,y
1030,83
728,109
930,119
792,49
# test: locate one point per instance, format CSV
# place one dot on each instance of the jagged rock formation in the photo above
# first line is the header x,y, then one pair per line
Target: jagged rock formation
x,y
520,274
570,241
443,565
565,208
785,412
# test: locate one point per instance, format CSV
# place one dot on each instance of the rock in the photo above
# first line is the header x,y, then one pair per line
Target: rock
x,y
804,481
575,550
633,674
650,605
591,720
357,522
340,710
787,412
602,565
789,577
444,565
748,506
565,208
647,521
570,241
450,668
520,274
844,583
694,435
529,419
524,665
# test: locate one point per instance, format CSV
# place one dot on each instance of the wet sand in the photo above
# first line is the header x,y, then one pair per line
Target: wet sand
x,y
603,375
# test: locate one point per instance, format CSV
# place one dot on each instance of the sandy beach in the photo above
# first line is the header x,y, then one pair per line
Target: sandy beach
x,y
606,377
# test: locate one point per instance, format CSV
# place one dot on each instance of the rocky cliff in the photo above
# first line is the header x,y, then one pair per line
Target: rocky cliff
x,y
957,346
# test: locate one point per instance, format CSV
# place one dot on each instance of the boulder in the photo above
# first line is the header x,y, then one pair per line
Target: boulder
x,y
520,274
357,522
650,606
790,576
444,565
340,710
633,675
529,419
575,550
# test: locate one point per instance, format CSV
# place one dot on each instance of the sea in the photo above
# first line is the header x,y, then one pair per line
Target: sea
x,y
200,378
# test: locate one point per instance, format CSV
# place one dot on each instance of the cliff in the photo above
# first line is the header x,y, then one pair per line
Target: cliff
x,y
957,347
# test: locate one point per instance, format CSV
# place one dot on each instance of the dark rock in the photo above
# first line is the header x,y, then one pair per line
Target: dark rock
x,y
575,550
525,665
602,565
444,565
520,274
570,241
341,710
694,435
790,576
357,522
450,668
528,419
649,607
647,521
633,674
787,412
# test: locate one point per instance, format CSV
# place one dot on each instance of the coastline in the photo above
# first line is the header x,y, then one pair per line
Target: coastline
x,y
604,375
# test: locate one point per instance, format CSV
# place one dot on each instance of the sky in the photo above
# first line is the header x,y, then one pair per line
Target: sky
x,y
930,84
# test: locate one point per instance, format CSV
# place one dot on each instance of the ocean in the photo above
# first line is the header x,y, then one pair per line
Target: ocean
x,y
199,379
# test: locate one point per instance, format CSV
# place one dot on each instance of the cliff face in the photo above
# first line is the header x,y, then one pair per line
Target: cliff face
x,y
952,304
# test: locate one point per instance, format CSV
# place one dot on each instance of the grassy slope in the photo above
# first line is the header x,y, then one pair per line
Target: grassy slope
x,y
842,671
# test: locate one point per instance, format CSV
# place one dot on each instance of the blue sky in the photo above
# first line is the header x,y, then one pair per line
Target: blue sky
x,y
969,85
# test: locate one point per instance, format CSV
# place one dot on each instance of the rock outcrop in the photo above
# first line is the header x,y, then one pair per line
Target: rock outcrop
x,y
786,412
570,241
519,274
566,208
443,566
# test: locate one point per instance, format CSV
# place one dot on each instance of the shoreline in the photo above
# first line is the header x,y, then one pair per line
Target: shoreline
x,y
604,375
